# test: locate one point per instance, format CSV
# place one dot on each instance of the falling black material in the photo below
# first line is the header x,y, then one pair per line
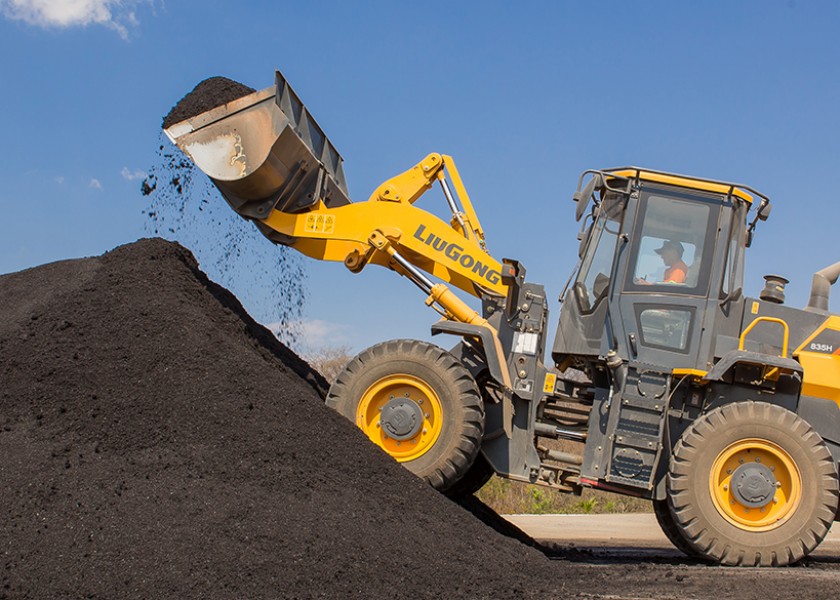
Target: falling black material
x,y
184,206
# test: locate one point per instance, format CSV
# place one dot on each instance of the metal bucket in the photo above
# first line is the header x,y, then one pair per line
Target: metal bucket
x,y
264,151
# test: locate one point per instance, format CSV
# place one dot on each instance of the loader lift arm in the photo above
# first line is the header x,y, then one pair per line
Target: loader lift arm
x,y
388,230
275,166
389,225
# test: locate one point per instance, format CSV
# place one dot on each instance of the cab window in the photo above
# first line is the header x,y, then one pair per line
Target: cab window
x,y
594,277
673,244
666,328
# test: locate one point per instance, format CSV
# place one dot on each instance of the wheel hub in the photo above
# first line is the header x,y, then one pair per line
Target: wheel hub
x,y
401,418
753,485
401,414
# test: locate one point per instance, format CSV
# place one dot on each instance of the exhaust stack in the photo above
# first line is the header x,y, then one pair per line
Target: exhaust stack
x,y
821,288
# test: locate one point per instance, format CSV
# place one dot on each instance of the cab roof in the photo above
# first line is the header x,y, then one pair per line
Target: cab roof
x,y
744,192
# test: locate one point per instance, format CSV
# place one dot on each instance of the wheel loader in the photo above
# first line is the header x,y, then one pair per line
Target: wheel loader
x,y
665,381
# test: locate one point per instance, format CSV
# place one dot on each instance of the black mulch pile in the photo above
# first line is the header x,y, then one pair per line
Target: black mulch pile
x,y
156,442
210,93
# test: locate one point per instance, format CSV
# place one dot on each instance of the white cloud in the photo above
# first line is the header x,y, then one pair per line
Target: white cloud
x,y
130,175
114,14
59,180
315,334
95,184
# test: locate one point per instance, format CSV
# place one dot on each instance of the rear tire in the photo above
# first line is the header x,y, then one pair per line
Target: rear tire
x,y
417,403
752,484
473,480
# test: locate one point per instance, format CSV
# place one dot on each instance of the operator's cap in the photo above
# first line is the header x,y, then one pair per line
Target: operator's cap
x,y
673,245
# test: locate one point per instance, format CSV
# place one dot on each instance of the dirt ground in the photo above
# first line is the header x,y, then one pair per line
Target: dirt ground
x,y
632,552
620,532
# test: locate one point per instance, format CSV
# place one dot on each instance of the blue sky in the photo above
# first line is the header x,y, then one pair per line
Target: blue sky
x,y
524,95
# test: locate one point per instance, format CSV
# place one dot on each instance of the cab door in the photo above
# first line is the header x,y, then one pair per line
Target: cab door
x,y
661,316
668,267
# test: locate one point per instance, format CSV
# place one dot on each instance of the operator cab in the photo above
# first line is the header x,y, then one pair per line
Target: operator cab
x,y
661,269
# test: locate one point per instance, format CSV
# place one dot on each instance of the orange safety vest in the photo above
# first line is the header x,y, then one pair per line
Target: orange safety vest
x,y
676,273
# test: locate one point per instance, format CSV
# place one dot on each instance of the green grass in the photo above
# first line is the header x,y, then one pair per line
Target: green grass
x,y
512,497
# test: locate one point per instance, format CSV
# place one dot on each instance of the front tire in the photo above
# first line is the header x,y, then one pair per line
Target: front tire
x,y
752,484
671,530
418,404
473,480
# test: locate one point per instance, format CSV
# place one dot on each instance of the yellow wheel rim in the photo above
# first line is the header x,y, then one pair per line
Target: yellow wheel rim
x,y
416,400
765,462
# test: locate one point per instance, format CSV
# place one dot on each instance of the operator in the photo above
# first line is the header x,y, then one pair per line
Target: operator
x,y
671,253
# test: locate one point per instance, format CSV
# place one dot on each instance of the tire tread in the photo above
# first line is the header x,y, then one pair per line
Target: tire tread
x,y
462,386
688,518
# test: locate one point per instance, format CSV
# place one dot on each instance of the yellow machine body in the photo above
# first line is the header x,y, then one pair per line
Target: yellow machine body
x,y
821,377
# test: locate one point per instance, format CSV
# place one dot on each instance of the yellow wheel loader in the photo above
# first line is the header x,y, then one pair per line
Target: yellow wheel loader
x,y
665,381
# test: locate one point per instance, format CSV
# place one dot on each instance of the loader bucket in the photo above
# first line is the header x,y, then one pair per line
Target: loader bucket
x,y
264,151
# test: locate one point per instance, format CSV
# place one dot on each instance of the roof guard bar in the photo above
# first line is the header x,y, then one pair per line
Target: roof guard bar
x,y
732,186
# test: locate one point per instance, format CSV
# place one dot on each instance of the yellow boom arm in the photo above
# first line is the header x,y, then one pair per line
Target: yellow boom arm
x,y
389,230
388,223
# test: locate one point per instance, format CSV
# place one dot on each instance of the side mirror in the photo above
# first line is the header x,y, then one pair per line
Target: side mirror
x,y
582,196
749,238
764,211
